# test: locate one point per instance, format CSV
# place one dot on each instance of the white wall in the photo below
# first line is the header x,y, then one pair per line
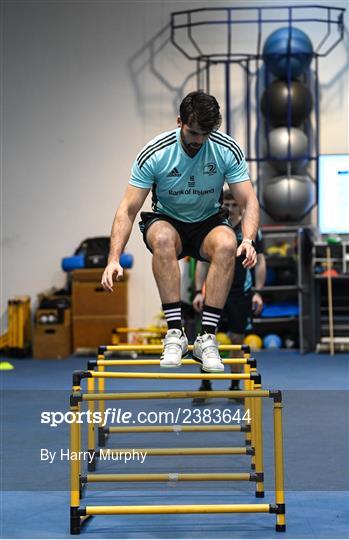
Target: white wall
x,y
85,85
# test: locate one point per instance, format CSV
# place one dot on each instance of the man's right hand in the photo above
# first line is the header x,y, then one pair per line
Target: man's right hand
x,y
198,302
113,268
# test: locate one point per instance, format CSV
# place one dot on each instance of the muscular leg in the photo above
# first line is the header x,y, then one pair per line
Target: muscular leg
x,y
165,244
219,247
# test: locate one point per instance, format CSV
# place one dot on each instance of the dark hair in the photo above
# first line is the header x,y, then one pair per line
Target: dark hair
x,y
201,108
227,195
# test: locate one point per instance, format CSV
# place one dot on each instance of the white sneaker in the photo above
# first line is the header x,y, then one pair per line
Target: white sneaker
x,y
175,347
205,350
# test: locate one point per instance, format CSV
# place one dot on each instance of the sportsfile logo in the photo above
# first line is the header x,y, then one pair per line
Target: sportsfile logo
x,y
117,416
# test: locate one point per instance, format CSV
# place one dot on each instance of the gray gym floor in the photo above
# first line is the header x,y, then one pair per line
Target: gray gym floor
x,y
35,495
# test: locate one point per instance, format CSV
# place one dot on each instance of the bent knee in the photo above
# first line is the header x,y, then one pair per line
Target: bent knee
x,y
162,239
226,246
162,242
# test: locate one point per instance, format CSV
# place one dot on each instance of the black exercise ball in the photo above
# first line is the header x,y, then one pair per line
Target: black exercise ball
x,y
279,96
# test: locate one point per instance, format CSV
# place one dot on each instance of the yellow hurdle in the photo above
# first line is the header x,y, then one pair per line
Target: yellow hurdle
x,y
101,375
252,394
175,395
171,477
79,514
101,361
207,451
176,428
156,375
158,348
279,466
178,509
103,432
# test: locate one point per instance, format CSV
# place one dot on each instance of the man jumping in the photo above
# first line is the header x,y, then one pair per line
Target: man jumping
x,y
186,169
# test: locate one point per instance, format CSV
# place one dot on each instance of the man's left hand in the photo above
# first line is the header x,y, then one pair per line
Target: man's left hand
x,y
250,254
257,304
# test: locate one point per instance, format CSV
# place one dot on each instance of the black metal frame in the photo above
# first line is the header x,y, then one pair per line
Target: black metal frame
x,y
331,18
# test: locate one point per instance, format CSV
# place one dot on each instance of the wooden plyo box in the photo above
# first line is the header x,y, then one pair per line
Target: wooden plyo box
x,y
52,341
95,311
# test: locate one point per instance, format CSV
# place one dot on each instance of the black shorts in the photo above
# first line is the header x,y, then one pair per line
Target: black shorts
x,y
191,234
237,314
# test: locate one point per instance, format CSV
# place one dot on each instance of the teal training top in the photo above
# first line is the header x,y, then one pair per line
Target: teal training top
x,y
188,188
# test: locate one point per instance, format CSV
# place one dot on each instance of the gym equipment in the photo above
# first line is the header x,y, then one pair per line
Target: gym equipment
x,y
53,314
272,341
330,241
79,261
286,104
248,363
281,309
73,263
288,52
279,250
254,394
6,366
339,344
253,341
287,147
290,341
223,339
219,66
149,335
249,366
331,272
319,269
17,339
289,198
46,318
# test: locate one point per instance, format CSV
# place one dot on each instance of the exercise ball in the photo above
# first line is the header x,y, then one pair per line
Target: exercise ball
x,y
253,341
126,260
281,97
288,198
287,50
272,341
223,339
290,341
283,141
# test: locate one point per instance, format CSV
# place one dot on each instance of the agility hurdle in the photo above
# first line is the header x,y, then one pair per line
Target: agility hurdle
x,y
103,432
80,514
101,362
256,413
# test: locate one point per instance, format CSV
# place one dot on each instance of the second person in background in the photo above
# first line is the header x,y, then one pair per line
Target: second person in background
x,y
242,303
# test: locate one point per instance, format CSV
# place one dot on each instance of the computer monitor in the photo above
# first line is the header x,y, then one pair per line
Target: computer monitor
x,y
333,194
